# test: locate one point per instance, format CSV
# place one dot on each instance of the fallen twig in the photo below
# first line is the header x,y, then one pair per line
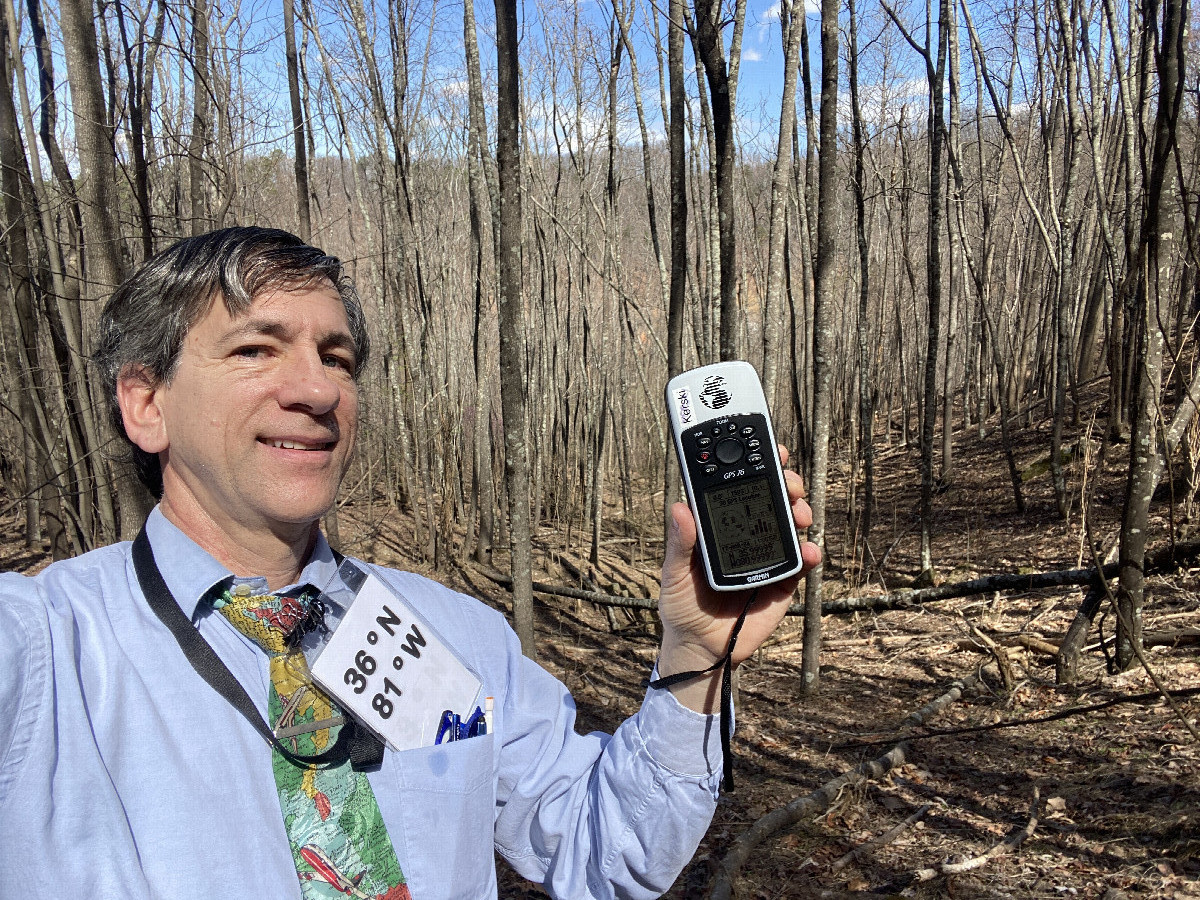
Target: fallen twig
x,y
862,851
935,706
1028,642
1002,661
1036,720
1011,842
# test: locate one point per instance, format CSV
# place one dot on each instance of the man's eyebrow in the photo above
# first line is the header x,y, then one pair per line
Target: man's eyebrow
x,y
256,328
340,339
280,330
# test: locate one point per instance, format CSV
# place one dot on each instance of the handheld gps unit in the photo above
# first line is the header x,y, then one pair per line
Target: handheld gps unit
x,y
732,474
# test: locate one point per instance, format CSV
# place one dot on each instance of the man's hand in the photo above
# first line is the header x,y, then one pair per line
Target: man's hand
x,y
697,620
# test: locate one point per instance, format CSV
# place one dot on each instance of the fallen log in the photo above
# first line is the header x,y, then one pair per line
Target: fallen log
x,y
1175,638
574,593
1163,560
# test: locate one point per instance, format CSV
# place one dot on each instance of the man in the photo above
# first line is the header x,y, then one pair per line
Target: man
x,y
126,769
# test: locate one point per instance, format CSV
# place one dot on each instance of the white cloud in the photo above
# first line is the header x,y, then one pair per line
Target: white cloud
x,y
456,88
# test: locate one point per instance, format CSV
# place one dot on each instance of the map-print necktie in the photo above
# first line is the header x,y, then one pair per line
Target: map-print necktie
x,y
339,843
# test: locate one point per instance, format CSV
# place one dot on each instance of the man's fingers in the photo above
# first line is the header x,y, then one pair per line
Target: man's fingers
x,y
681,536
793,480
811,554
795,485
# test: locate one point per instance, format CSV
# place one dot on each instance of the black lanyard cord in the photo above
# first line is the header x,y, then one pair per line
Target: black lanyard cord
x,y
725,663
363,749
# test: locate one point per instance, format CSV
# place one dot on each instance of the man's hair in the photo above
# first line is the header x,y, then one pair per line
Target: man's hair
x,y
146,320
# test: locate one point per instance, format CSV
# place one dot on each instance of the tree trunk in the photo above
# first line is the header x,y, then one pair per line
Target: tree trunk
x,y
866,414
676,134
198,214
822,339
105,268
300,163
712,53
1153,275
137,117
512,319
483,210
781,177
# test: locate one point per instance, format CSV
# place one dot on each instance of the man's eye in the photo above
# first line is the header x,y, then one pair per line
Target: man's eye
x,y
338,362
250,352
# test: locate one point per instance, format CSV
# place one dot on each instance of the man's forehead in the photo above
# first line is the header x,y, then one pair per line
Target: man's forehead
x,y
280,311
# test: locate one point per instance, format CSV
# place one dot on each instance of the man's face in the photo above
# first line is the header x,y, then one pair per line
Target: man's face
x,y
261,415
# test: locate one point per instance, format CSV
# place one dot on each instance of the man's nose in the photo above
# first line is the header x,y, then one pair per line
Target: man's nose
x,y
307,383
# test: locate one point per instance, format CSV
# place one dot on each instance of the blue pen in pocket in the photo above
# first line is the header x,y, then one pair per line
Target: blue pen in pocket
x,y
453,728
448,728
475,726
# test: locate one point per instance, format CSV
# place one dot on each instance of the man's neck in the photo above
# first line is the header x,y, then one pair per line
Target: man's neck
x,y
278,557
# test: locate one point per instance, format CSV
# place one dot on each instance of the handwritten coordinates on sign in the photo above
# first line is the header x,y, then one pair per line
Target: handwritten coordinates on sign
x,y
365,665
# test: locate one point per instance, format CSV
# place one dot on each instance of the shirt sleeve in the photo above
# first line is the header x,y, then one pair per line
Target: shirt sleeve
x,y
594,815
24,652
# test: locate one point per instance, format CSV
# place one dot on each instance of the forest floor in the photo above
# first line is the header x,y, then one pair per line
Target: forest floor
x,y
1118,814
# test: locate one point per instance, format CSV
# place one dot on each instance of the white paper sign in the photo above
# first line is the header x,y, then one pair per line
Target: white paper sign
x,y
389,668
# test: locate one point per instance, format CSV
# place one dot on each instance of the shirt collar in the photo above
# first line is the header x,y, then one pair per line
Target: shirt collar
x,y
190,571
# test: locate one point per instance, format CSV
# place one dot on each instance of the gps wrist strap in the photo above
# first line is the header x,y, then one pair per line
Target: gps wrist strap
x,y
726,664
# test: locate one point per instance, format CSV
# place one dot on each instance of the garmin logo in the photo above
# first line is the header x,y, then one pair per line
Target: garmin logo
x,y
683,402
754,578
714,395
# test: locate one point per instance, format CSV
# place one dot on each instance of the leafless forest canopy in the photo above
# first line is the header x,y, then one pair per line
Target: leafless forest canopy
x,y
980,210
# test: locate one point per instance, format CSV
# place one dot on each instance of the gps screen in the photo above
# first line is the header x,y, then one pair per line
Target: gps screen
x,y
744,526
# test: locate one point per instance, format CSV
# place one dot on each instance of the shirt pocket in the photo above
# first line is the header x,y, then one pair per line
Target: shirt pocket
x,y
446,813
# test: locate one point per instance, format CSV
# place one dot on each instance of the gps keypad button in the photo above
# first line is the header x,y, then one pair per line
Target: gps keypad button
x,y
730,451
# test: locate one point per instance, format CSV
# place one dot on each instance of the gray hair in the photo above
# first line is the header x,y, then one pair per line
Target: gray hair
x,y
146,320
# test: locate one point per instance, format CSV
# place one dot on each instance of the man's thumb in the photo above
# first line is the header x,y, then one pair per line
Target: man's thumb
x,y
681,538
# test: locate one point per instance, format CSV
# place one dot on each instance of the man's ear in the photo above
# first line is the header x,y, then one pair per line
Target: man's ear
x,y
137,395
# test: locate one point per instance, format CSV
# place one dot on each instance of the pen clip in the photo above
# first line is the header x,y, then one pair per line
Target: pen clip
x,y
447,726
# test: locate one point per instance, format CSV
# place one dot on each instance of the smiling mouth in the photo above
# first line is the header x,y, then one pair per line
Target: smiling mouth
x,y
300,445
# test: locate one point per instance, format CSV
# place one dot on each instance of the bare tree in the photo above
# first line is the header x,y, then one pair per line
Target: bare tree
x,y
105,266
711,51
935,72
824,270
1152,272
866,415
679,214
790,19
198,213
512,318
300,163
484,208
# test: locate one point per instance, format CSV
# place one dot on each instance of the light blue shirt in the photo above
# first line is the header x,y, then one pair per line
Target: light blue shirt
x,y
123,774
